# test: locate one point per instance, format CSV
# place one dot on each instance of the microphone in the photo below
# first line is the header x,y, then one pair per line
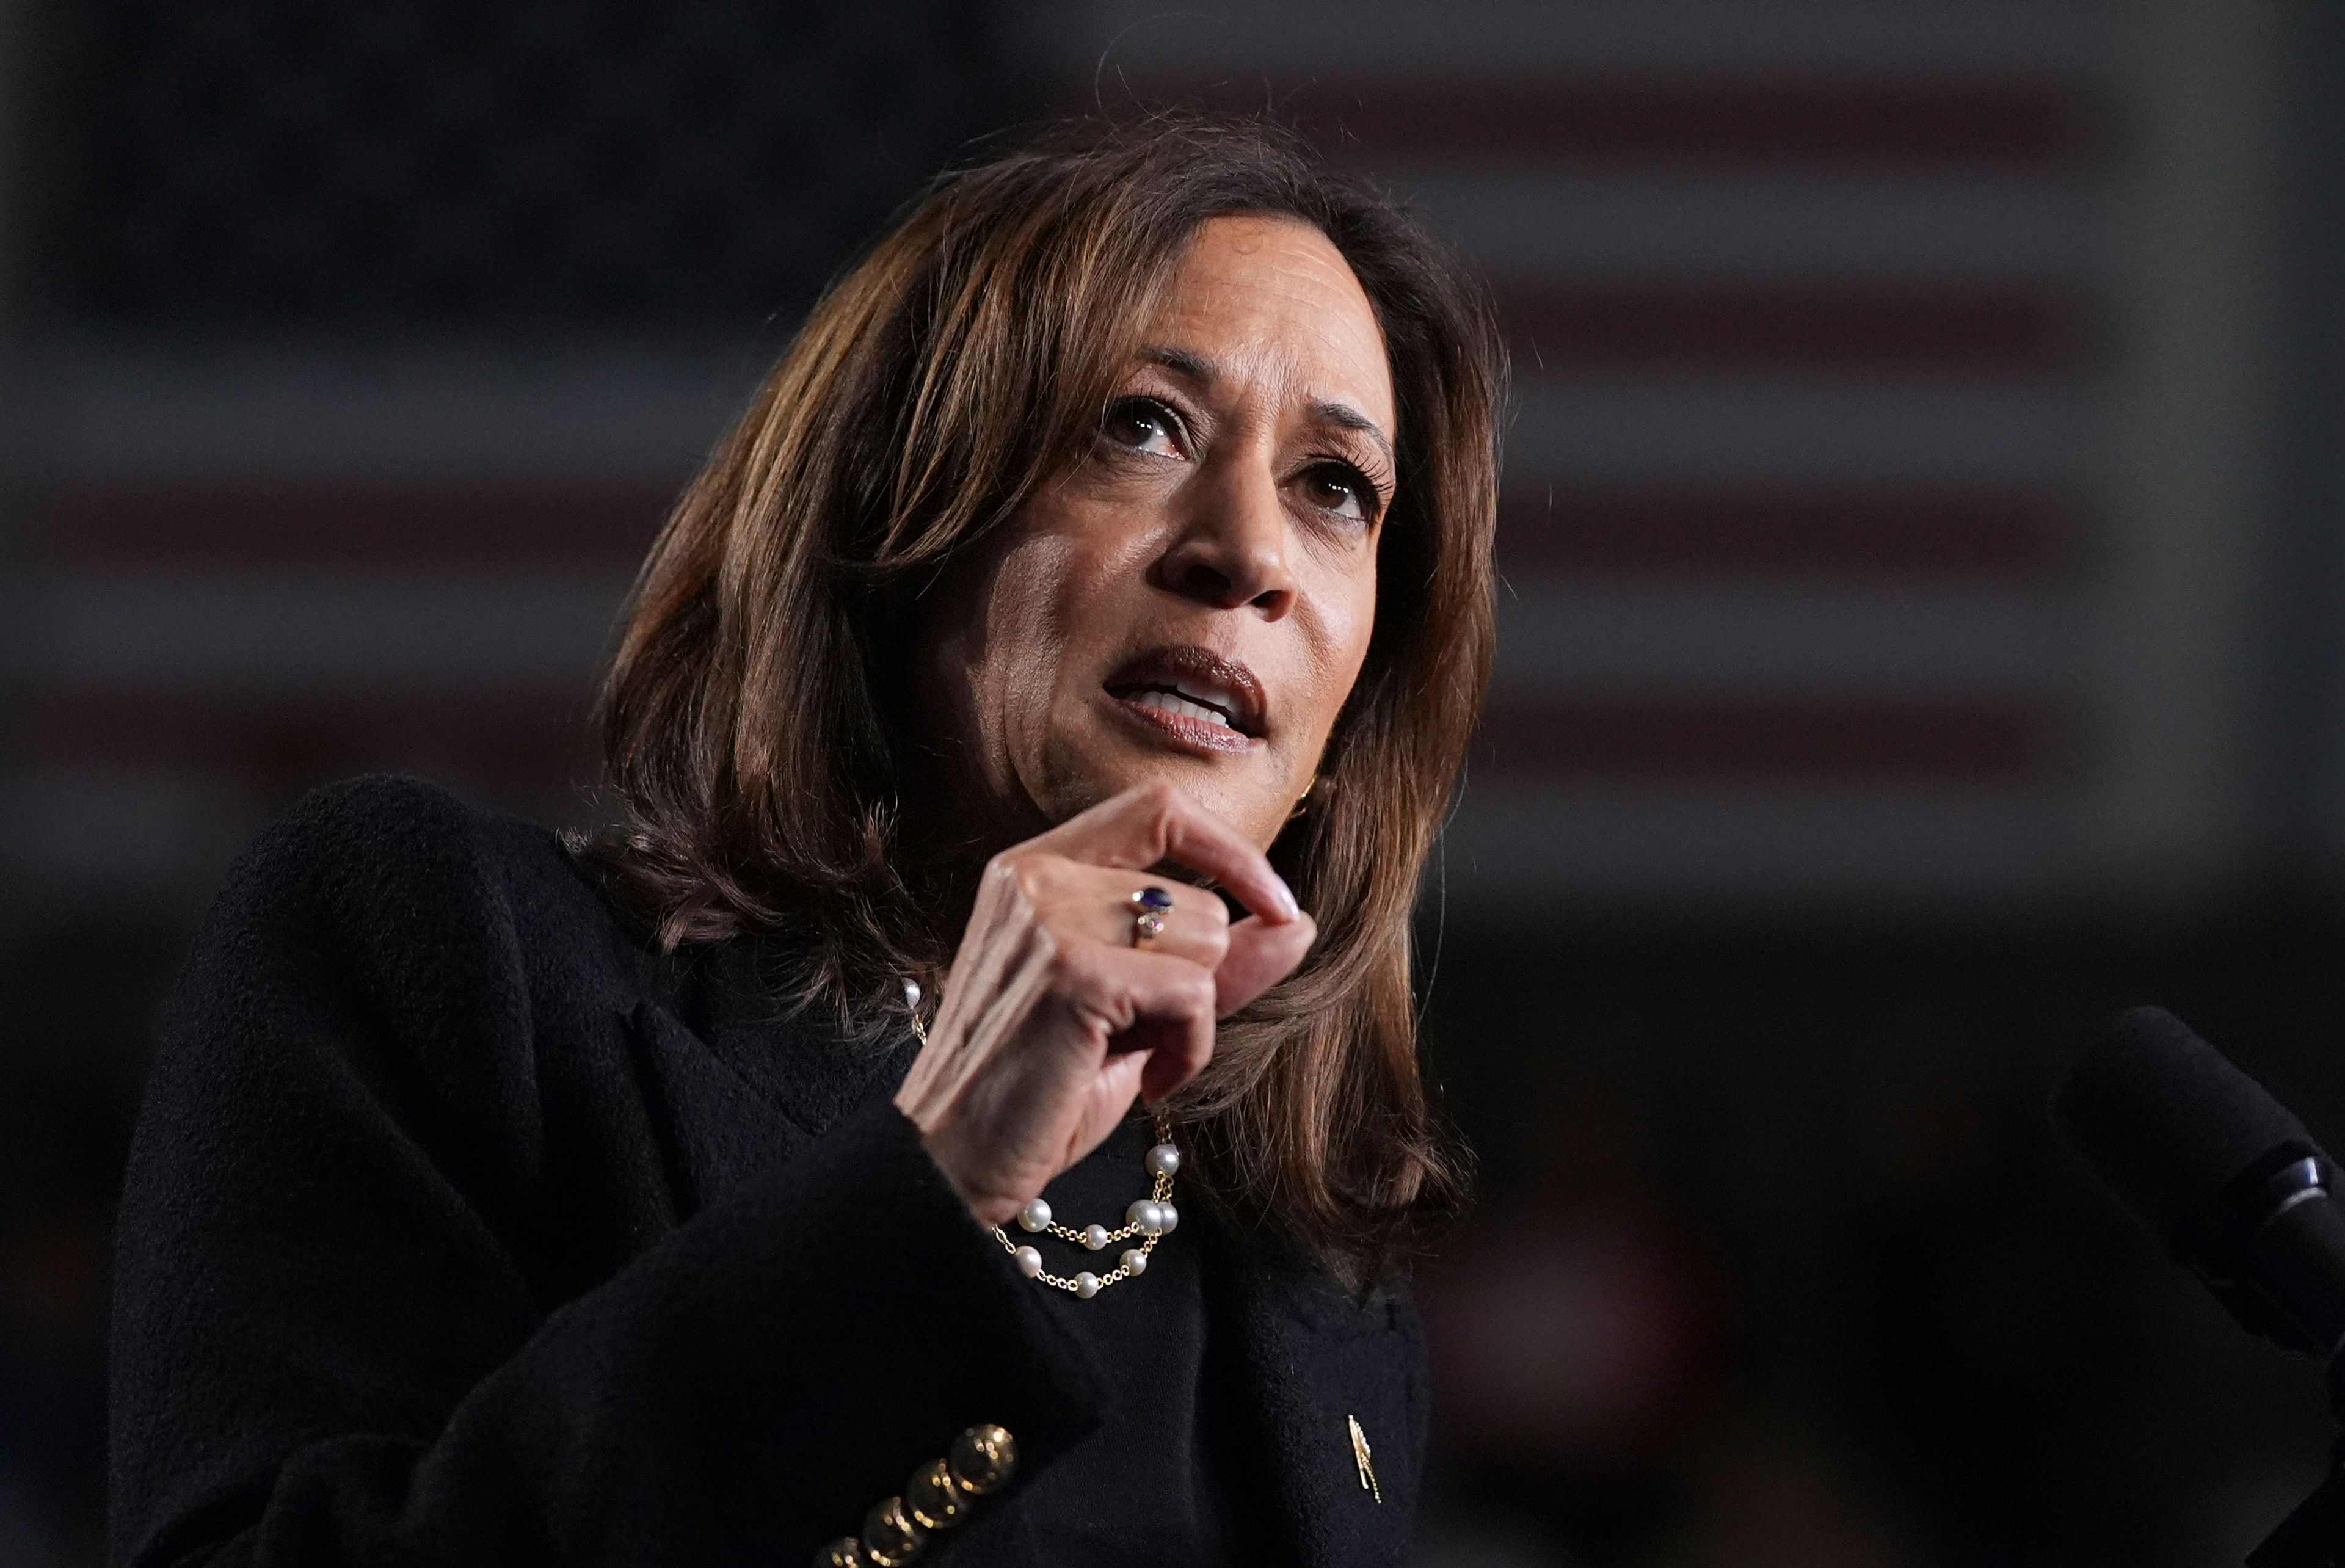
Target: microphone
x,y
2232,1185
2221,1173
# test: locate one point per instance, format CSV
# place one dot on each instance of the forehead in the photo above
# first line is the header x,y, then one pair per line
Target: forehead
x,y
1273,303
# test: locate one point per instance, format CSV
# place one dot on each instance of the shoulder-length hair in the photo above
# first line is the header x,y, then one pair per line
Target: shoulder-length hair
x,y
750,715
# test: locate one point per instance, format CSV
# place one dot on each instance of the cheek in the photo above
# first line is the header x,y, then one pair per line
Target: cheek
x,y
1054,592
1346,621
1025,631
984,630
1075,569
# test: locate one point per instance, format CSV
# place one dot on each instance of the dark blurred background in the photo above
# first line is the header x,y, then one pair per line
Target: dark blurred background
x,y
1925,632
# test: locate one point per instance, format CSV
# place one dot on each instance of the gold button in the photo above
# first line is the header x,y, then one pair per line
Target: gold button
x,y
889,1537
934,1498
983,1458
843,1552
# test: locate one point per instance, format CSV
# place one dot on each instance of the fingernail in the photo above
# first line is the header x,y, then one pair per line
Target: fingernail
x,y
1286,904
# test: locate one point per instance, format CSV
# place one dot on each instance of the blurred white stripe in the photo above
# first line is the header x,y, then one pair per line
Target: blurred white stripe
x,y
1789,641
1952,37
255,637
1543,846
1799,429
103,832
410,415
1768,225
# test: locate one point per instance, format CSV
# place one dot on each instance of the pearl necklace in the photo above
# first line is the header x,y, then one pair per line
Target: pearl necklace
x,y
1151,1219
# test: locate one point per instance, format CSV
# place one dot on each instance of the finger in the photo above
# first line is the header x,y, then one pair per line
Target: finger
x,y
1121,1080
1260,955
1152,823
1146,1002
1165,1072
1074,899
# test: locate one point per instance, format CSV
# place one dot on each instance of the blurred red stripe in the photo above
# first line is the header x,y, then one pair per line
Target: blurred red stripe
x,y
539,742
2022,122
451,523
1752,741
1948,329
1574,530
1695,532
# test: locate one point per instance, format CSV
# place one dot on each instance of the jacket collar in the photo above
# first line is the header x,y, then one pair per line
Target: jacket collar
x,y
1312,1360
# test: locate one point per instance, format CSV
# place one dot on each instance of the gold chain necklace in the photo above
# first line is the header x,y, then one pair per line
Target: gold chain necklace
x,y
1150,1219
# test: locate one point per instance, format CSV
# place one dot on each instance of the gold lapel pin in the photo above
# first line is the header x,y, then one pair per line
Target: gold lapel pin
x,y
1361,1457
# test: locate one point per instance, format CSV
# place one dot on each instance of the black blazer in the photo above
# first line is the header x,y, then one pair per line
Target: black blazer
x,y
459,1229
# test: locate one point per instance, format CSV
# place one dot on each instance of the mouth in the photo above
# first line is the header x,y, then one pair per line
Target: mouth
x,y
1192,695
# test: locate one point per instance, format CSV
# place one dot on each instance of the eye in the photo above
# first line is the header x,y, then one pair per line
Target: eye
x,y
1143,425
1341,488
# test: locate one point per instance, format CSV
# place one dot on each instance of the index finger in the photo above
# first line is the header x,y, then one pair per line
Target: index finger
x,y
1156,821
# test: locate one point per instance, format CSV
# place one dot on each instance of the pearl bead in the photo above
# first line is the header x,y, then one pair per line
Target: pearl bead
x,y
1170,1215
1035,1216
1147,1216
1095,1237
1134,1261
1163,1160
1087,1285
1029,1262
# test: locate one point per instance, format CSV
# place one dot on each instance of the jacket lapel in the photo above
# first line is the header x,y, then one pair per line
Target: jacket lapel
x,y
1313,1361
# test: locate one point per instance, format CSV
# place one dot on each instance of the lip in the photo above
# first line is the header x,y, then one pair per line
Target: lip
x,y
1235,692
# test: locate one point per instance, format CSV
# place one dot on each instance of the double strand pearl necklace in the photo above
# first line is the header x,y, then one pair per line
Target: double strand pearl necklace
x,y
1150,1219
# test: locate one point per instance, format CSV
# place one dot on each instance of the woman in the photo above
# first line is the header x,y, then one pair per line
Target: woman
x,y
1084,626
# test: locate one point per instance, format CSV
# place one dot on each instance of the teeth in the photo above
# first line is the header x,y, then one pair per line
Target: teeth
x,y
1173,703
1212,696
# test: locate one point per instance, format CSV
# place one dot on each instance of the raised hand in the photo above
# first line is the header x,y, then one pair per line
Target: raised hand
x,y
1052,1020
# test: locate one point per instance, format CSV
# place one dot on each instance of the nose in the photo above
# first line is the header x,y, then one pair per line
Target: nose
x,y
1230,549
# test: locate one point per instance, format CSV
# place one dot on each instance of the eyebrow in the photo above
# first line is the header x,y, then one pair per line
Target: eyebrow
x,y
1183,363
1351,418
1200,371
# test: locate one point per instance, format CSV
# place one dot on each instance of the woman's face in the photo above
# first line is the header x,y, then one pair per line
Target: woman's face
x,y
1193,603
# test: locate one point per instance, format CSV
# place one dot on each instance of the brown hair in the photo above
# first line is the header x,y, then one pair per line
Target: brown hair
x,y
962,362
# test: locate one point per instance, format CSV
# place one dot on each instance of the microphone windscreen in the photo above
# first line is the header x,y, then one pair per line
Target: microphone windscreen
x,y
2166,1122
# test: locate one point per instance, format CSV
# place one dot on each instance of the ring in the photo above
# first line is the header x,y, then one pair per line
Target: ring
x,y
1148,907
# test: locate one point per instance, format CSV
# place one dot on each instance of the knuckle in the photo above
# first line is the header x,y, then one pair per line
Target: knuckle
x,y
1161,800
1017,871
1073,965
1197,991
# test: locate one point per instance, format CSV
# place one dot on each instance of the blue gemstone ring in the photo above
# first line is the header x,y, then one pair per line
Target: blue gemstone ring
x,y
1150,906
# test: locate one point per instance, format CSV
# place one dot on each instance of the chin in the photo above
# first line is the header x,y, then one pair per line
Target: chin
x,y
1098,764
1241,807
